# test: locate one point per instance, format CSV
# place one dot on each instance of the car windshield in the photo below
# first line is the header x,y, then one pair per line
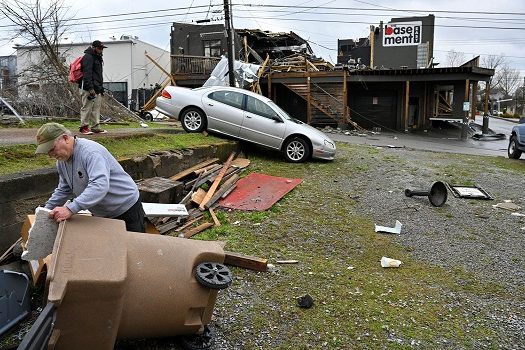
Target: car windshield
x,y
279,110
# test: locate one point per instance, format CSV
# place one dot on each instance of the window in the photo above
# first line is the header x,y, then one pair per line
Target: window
x,y
119,90
257,106
230,98
212,48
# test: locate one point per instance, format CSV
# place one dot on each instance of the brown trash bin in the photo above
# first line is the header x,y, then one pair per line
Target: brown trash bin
x,y
109,283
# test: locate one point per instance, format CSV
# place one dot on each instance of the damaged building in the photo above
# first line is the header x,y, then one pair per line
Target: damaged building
x,y
388,79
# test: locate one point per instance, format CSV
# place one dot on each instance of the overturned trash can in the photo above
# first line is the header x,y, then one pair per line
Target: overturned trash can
x,y
108,283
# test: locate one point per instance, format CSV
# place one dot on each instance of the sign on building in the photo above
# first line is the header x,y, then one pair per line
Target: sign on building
x,y
402,33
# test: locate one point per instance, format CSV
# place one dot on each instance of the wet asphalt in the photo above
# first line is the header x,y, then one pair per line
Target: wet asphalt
x,y
444,138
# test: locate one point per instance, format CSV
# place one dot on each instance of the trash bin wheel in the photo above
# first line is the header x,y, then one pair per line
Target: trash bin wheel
x,y
148,116
203,341
213,275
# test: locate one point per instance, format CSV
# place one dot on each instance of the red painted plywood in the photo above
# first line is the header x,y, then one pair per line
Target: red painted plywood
x,y
258,192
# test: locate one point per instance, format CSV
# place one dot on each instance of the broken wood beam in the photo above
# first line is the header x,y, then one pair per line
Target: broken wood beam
x,y
225,187
198,196
195,230
188,223
170,225
214,217
245,261
192,169
218,179
10,249
225,194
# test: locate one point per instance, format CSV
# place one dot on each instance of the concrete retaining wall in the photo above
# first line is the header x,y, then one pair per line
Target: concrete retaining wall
x,y
21,193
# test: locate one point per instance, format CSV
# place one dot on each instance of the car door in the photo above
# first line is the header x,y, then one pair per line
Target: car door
x,y
261,124
224,111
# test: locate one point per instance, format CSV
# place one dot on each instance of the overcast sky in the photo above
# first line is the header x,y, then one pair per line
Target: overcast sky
x,y
474,27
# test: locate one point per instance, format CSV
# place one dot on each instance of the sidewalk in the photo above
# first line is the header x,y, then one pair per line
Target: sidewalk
x,y
25,136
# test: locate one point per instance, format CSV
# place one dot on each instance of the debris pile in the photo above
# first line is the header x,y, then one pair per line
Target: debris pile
x,y
189,185
300,63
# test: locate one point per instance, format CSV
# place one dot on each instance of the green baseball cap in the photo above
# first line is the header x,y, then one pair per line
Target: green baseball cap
x,y
46,136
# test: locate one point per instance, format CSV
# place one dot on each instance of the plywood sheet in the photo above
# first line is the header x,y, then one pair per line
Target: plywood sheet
x,y
258,192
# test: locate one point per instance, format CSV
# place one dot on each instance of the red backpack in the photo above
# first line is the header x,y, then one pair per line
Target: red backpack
x,y
75,70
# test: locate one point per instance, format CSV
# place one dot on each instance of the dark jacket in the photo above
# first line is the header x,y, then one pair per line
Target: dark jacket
x,y
92,69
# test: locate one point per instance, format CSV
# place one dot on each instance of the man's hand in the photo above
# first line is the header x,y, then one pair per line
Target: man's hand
x,y
60,214
92,92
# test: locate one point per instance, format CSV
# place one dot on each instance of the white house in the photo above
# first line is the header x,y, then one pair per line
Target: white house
x,y
126,67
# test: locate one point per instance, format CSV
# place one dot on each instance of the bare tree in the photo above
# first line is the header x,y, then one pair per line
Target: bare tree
x,y
494,62
509,79
41,27
455,58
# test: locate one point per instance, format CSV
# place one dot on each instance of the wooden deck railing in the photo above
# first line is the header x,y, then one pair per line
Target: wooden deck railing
x,y
184,64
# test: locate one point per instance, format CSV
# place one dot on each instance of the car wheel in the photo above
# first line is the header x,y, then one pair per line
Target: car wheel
x,y
213,275
513,150
296,150
203,341
193,120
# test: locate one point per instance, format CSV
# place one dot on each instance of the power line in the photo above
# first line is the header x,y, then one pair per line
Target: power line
x,y
359,22
396,10
338,13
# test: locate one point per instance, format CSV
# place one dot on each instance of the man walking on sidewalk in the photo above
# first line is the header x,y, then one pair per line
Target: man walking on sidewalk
x,y
91,89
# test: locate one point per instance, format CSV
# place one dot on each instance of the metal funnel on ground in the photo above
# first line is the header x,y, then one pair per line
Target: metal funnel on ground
x,y
437,195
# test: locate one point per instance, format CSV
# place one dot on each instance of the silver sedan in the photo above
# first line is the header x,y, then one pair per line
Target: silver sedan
x,y
247,116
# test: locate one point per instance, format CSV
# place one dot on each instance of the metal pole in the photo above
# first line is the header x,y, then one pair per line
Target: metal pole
x,y
523,100
229,41
485,128
464,129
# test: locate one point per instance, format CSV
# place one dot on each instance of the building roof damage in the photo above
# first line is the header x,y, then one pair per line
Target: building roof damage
x,y
274,44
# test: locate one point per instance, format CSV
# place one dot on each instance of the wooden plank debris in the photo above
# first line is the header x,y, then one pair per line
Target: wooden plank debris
x,y
9,251
193,231
218,179
221,179
245,261
198,196
214,217
287,262
188,171
188,223
240,163
225,187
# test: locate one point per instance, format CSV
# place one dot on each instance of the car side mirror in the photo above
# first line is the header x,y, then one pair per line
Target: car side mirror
x,y
277,119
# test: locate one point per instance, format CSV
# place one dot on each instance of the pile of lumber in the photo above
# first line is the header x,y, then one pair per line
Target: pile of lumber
x,y
300,63
219,179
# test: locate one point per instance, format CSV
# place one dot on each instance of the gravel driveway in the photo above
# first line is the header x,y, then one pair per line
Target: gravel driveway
x,y
465,235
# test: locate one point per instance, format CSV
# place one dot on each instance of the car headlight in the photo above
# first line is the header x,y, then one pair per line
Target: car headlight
x,y
329,144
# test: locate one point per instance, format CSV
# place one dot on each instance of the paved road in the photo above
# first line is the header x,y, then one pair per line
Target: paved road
x,y
17,136
445,140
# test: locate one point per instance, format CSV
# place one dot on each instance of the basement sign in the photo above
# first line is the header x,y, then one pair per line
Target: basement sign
x,y
402,33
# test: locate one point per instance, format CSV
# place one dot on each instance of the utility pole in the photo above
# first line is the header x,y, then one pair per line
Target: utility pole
x,y
523,98
228,32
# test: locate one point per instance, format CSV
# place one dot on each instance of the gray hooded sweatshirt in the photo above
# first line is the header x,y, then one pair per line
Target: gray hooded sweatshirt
x,y
93,179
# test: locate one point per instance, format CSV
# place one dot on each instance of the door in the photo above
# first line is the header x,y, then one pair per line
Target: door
x,y
261,124
224,111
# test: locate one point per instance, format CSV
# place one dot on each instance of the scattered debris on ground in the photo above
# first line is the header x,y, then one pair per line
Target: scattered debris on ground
x,y
396,229
437,195
174,206
388,262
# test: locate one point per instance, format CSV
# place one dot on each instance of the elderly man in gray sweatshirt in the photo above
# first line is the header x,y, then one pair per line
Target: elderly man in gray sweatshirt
x,y
89,178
